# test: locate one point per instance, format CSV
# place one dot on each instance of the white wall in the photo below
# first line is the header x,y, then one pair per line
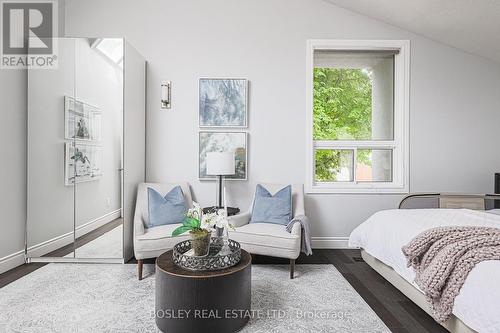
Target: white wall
x,y
454,100
454,95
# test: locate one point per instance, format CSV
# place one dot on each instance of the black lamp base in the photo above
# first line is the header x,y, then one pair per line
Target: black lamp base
x,y
230,210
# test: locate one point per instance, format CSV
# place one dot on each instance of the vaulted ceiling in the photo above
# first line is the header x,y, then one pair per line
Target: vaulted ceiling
x,y
470,25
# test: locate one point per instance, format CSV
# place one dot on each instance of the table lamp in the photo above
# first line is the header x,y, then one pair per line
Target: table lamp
x,y
220,164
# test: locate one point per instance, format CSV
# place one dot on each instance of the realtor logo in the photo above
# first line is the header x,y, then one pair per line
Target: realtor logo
x,y
27,34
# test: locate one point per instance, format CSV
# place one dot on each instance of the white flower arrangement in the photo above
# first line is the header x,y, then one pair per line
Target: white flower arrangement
x,y
195,212
209,220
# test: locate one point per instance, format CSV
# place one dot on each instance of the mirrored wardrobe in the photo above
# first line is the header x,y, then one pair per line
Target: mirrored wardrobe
x,y
86,151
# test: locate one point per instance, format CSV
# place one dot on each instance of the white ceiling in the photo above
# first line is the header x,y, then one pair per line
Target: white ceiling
x,y
470,25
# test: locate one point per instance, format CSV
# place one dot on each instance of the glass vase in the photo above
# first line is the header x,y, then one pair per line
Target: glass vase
x,y
200,243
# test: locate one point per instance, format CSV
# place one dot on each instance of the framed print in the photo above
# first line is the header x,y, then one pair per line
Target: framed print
x,y
95,122
223,102
220,142
81,121
83,163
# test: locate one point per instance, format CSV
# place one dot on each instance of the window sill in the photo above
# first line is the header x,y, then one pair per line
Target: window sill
x,y
356,190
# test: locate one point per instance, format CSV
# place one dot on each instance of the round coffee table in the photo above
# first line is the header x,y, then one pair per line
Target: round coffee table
x,y
202,301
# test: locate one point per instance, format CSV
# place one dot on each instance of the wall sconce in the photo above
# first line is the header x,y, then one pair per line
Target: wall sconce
x,y
166,94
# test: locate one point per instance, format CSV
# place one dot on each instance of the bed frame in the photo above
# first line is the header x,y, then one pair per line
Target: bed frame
x,y
453,324
432,200
451,200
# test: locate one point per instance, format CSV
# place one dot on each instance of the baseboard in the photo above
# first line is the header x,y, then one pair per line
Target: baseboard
x,y
11,261
16,259
330,242
99,222
65,239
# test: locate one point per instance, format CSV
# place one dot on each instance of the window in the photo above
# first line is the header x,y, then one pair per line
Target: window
x,y
357,116
111,48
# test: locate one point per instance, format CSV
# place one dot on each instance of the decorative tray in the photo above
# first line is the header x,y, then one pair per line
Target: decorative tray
x,y
211,262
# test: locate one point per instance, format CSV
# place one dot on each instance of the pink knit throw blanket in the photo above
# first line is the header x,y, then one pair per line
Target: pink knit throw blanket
x,y
443,257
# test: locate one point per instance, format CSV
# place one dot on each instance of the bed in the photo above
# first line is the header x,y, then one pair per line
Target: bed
x,y
380,238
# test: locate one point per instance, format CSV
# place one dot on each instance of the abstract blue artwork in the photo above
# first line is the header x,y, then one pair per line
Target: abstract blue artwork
x,y
223,102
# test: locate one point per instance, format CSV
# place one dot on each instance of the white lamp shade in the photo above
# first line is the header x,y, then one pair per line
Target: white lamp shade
x,y
220,163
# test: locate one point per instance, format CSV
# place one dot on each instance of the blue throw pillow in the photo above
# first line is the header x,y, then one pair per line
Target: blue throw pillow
x,y
269,208
166,210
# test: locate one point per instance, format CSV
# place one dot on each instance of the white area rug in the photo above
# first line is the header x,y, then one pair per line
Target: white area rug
x,y
108,298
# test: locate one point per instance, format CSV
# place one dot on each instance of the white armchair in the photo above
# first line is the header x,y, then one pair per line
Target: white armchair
x,y
151,242
271,239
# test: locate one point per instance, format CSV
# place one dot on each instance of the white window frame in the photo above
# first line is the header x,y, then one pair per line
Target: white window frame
x,y
400,144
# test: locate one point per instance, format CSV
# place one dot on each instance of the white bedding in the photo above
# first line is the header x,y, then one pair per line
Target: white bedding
x,y
384,233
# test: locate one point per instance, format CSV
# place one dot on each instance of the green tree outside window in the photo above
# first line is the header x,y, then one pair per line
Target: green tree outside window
x,y
342,109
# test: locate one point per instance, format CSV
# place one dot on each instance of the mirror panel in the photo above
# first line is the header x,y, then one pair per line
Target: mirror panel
x,y
98,147
50,196
75,159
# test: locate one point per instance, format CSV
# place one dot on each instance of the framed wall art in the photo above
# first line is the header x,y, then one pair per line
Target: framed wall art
x,y
81,121
223,103
83,163
220,142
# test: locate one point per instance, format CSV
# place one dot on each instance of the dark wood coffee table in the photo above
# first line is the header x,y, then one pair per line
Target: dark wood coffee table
x,y
194,301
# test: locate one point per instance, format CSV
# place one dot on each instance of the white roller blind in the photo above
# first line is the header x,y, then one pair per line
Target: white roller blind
x,y
351,59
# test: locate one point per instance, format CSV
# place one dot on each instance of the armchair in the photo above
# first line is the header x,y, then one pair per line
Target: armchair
x,y
271,239
151,242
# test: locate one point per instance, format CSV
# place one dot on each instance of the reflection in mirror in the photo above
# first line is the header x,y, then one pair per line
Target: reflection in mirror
x,y
99,89
75,151
98,153
50,200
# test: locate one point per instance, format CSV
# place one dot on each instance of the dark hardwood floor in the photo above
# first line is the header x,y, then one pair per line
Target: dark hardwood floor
x,y
399,313
18,272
